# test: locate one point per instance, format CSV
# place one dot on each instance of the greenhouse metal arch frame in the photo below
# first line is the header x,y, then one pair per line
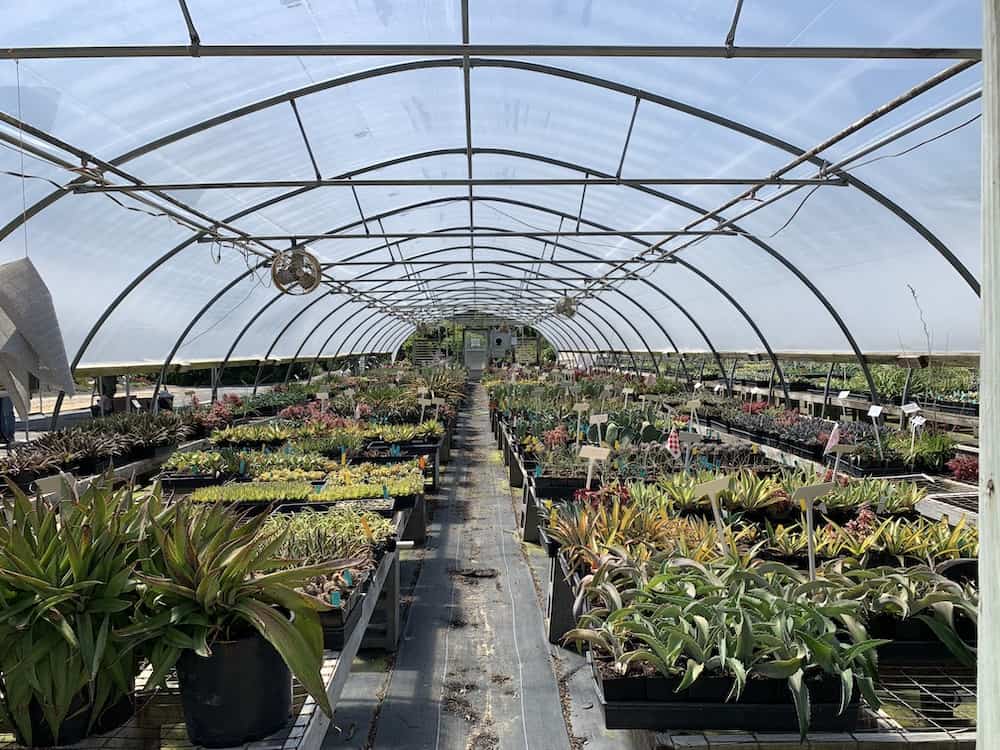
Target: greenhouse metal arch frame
x,y
639,94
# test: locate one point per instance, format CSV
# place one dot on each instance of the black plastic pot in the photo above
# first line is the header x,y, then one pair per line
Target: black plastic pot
x,y
765,706
241,693
74,727
913,641
339,623
559,488
72,730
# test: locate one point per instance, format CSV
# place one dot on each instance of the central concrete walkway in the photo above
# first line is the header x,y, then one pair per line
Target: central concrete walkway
x,y
473,669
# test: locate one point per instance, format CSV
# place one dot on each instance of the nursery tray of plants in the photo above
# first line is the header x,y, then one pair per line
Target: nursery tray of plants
x,y
159,723
919,703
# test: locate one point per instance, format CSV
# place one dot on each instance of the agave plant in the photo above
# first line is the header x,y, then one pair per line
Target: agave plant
x,y
214,575
918,592
733,620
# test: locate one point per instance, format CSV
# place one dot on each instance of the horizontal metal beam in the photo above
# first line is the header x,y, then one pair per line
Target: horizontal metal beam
x,y
457,182
491,50
466,262
431,235
426,280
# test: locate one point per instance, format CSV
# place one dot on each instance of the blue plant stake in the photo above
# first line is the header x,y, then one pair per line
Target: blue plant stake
x,y
243,466
335,598
385,492
538,470
348,578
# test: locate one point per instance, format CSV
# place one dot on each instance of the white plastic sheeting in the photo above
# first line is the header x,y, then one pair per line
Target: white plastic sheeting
x,y
882,273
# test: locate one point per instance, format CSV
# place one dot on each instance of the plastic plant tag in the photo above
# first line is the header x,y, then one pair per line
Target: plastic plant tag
x,y
385,492
844,395
711,490
538,470
243,466
875,411
699,385
911,408
343,456
719,388
805,497
335,599
348,578
593,454
918,421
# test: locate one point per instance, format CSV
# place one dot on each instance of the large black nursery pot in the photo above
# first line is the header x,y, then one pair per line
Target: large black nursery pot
x,y
77,722
241,693
72,730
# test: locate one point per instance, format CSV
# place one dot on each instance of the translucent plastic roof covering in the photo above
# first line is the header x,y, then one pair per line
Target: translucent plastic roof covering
x,y
884,263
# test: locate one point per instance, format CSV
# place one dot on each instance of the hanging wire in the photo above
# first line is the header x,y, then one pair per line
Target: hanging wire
x,y
896,155
24,182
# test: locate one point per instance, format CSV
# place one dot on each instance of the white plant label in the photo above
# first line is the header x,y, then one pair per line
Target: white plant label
x,y
712,490
844,395
699,385
911,408
875,411
719,388
593,454
322,396
581,406
598,418
806,497
918,421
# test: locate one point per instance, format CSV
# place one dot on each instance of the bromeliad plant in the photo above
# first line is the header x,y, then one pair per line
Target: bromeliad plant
x,y
214,576
254,434
255,492
67,586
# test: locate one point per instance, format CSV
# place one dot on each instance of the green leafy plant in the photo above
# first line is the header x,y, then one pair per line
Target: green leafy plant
x,y
759,621
215,576
255,492
67,586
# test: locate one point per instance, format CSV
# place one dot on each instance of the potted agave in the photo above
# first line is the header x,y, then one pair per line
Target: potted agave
x,y
218,605
67,585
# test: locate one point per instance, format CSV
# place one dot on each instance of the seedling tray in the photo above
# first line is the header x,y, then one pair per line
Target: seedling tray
x,y
720,716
